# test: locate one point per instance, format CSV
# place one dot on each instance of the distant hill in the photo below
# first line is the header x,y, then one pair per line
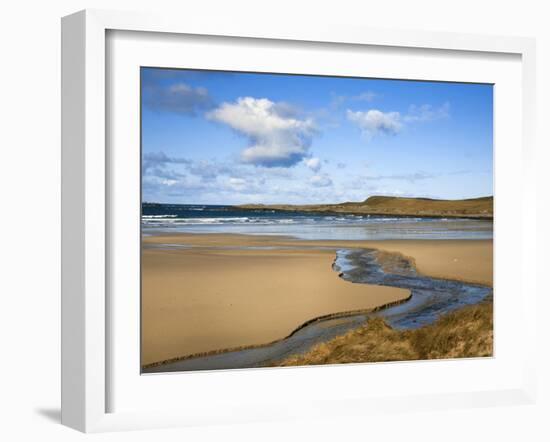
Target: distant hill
x,y
479,208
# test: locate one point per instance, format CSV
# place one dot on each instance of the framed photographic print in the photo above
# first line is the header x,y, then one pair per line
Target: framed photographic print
x,y
264,244
250,213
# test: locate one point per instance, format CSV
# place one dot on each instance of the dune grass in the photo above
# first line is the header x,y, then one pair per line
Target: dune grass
x,y
464,333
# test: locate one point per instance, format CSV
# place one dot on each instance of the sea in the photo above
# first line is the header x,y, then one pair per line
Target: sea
x,y
197,218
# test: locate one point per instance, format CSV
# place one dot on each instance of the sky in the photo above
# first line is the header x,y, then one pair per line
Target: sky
x,y
213,137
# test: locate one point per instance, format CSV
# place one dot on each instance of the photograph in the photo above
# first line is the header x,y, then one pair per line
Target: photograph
x,y
307,220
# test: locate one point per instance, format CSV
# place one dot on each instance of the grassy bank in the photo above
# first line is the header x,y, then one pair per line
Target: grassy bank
x,y
467,332
481,208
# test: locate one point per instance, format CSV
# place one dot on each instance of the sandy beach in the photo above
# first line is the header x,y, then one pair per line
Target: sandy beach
x,y
227,291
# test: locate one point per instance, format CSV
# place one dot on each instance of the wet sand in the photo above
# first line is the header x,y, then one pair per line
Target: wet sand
x,y
218,294
464,260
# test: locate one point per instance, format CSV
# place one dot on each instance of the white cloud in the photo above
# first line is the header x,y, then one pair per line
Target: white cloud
x,y
156,160
179,98
338,100
365,96
427,112
277,137
411,177
159,180
237,183
374,121
313,164
321,180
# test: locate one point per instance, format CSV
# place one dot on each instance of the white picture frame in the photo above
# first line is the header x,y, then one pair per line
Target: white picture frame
x,y
86,209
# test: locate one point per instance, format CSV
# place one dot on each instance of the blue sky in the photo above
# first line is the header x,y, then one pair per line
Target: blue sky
x,y
229,138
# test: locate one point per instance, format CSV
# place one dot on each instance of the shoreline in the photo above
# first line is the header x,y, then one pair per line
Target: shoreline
x,y
449,264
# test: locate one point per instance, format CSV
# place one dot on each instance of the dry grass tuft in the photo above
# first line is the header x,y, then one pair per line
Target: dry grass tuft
x,y
467,332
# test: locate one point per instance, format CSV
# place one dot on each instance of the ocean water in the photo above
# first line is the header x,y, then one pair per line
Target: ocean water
x,y
303,225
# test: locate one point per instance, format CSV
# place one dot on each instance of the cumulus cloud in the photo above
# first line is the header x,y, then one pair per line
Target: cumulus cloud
x,y
373,122
276,136
313,163
341,165
321,180
178,98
